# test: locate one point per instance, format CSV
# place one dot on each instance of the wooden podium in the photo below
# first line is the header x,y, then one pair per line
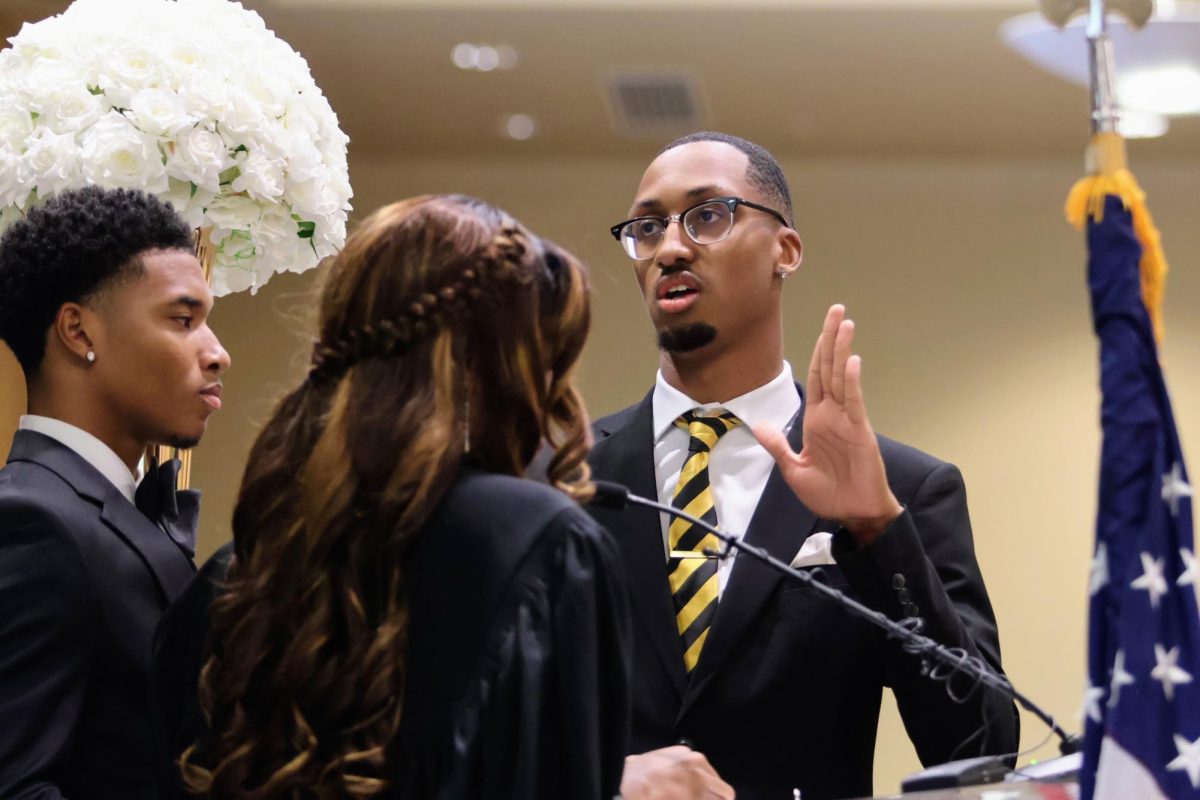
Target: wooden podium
x,y
1025,790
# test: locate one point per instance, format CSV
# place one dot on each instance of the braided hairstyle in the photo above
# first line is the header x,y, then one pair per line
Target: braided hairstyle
x,y
445,327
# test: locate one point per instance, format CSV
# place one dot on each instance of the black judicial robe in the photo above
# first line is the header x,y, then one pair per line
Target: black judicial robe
x,y
518,664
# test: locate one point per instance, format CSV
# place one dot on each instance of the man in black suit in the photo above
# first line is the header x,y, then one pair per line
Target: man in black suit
x,y
105,307
775,683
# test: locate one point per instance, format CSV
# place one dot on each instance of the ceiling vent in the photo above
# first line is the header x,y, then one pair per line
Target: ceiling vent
x,y
655,104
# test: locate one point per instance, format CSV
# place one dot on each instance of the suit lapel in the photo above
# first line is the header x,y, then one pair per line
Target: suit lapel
x,y
626,455
780,525
171,568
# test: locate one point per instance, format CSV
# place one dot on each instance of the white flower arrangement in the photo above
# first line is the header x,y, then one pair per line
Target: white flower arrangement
x,y
195,101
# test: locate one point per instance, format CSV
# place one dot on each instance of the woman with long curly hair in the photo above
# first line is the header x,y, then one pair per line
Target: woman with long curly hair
x,y
401,614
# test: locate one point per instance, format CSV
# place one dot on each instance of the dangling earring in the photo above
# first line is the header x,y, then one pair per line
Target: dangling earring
x,y
91,357
467,417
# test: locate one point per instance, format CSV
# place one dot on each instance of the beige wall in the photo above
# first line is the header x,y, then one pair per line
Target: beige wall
x,y
12,396
973,323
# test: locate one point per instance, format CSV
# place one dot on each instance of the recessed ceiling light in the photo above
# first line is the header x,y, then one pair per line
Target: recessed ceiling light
x,y
519,126
486,58
463,55
483,57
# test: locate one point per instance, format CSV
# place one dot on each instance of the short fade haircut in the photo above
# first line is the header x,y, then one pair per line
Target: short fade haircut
x,y
763,171
79,243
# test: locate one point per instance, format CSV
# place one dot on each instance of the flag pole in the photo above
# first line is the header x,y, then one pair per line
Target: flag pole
x,y
1107,164
1100,67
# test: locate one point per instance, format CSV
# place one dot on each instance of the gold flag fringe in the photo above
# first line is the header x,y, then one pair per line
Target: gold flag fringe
x,y
1086,201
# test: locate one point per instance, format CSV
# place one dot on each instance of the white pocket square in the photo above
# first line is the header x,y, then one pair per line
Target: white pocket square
x,y
817,550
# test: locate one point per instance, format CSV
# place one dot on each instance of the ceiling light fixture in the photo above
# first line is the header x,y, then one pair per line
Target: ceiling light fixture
x,y
1140,125
1158,67
483,57
519,126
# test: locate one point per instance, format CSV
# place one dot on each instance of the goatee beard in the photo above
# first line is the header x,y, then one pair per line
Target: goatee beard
x,y
183,442
686,338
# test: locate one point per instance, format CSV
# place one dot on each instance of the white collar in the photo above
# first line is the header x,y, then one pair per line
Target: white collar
x,y
776,402
88,447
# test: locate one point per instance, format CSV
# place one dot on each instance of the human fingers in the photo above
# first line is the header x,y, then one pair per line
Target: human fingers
x,y
774,442
714,785
856,406
815,391
833,319
841,352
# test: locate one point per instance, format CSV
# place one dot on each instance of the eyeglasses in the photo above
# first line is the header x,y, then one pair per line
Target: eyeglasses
x,y
704,223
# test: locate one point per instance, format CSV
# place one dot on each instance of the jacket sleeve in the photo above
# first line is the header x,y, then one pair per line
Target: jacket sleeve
x,y
46,638
553,704
924,565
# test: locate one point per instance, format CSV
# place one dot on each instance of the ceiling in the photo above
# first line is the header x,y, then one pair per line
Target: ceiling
x,y
820,78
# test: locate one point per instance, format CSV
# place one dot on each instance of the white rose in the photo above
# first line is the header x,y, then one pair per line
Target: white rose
x,y
14,184
185,58
125,69
234,213
330,237
117,154
274,227
16,124
231,278
160,112
131,65
234,262
199,156
260,176
304,159
241,114
315,198
280,248
189,201
68,108
52,162
207,92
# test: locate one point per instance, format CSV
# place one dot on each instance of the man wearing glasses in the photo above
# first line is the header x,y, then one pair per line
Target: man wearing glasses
x,y
773,681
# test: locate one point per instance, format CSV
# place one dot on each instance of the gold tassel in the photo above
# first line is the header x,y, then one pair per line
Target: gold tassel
x,y
1111,176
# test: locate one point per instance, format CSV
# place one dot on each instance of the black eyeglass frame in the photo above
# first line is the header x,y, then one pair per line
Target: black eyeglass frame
x,y
731,203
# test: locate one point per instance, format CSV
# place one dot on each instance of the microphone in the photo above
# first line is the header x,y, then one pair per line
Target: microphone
x,y
616,496
610,495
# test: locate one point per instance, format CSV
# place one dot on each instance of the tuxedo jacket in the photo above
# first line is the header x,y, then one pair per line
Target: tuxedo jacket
x,y
787,690
84,577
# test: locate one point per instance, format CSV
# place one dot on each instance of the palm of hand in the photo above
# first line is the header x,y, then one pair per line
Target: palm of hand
x,y
839,473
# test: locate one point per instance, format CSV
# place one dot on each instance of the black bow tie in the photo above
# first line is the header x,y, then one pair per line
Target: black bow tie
x,y
176,512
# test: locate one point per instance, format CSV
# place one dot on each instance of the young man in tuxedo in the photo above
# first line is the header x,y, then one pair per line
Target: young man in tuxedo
x,y
105,307
776,684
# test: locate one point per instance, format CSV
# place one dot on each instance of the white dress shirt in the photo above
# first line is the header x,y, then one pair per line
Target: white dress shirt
x,y
88,447
738,466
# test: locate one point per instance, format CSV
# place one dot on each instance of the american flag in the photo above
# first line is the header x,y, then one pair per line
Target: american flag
x,y
1142,703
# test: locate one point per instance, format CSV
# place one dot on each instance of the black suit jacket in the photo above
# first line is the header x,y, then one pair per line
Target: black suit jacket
x,y
84,577
787,690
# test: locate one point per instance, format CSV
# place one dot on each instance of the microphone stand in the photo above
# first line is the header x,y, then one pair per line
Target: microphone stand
x,y
616,495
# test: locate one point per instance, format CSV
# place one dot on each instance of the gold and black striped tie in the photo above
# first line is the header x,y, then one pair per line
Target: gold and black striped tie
x,y
694,579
